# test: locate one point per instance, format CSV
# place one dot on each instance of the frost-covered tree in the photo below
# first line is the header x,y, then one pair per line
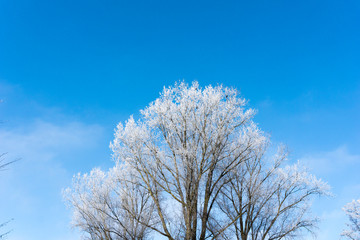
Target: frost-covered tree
x,y
352,210
184,147
268,201
110,205
187,152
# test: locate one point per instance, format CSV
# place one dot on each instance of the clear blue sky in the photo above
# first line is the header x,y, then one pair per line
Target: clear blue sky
x,y
71,70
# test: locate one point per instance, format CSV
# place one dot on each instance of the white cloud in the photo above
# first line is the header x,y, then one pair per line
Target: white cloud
x,y
45,138
341,169
32,186
332,162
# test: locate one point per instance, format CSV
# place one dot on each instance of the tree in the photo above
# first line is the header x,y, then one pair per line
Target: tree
x,y
189,149
3,235
266,201
352,210
4,164
110,205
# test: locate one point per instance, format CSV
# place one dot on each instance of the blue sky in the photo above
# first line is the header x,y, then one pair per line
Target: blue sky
x,y
71,70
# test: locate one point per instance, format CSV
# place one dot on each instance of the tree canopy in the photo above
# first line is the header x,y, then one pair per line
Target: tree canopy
x,y
352,210
195,166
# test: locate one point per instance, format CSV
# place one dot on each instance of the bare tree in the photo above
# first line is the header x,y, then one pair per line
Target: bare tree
x,y
352,210
196,154
3,165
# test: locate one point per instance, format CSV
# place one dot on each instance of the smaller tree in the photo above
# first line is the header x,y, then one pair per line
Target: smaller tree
x,y
352,210
110,205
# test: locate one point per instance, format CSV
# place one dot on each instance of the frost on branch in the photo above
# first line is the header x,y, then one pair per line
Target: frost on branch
x,y
197,167
106,205
184,147
352,210
267,201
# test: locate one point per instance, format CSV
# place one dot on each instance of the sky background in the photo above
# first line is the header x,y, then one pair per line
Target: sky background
x,y
71,70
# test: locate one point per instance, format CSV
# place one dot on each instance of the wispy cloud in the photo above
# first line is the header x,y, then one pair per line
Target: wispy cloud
x,y
340,168
332,162
32,186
